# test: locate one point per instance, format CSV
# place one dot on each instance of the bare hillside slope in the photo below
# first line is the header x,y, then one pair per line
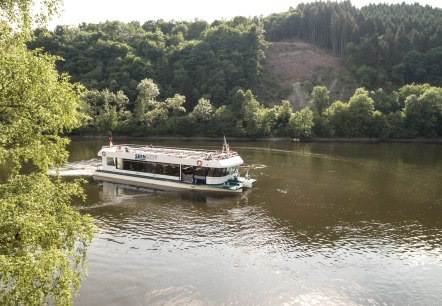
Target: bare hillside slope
x,y
299,66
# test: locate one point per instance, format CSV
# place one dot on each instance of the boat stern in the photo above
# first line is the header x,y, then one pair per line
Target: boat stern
x,y
246,182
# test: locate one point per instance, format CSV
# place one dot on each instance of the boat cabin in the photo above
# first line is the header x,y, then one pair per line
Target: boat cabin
x,y
192,166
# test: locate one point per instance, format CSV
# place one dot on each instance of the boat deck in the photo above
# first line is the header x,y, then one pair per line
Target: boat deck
x,y
170,151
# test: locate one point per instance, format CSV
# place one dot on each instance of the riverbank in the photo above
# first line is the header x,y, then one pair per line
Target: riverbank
x,y
268,139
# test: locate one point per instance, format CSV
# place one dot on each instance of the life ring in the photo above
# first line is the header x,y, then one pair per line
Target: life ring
x,y
199,163
103,153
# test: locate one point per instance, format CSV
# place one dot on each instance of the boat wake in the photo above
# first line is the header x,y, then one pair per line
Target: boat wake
x,y
78,168
257,166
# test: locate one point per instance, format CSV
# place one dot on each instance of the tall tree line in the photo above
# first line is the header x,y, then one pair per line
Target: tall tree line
x,y
411,111
190,58
383,44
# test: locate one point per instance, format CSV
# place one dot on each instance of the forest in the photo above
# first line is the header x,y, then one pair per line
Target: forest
x,y
206,79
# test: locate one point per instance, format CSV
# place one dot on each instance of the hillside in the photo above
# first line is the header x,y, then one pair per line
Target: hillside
x,y
298,67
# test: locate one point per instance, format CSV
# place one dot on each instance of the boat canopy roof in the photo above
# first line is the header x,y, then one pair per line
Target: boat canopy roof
x,y
193,154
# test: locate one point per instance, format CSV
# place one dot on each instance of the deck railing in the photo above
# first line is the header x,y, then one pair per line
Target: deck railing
x,y
173,151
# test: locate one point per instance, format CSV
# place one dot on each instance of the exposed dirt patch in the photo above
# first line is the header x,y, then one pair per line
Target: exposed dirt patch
x,y
299,66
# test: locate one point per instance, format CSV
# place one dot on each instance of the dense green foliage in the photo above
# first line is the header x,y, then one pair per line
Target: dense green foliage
x,y
43,240
196,78
412,111
194,59
383,44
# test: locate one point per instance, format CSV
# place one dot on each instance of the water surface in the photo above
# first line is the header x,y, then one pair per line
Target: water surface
x,y
325,224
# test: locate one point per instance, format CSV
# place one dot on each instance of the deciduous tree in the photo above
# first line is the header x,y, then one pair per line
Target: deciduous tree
x,y
320,99
43,239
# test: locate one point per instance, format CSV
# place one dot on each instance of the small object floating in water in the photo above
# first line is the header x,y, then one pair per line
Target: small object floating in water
x,y
173,168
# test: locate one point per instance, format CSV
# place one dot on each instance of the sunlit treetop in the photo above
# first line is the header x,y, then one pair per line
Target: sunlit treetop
x,y
26,13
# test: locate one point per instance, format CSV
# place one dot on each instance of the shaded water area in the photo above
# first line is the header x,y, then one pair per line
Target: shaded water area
x,y
325,224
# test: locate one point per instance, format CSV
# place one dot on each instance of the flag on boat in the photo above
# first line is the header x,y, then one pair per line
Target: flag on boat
x,y
226,147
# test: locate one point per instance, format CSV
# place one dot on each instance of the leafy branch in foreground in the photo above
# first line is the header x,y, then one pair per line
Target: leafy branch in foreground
x,y
43,239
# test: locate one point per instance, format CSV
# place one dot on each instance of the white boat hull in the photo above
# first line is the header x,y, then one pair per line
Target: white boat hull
x,y
163,184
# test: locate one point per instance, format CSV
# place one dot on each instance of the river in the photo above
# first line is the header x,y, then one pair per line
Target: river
x,y
325,224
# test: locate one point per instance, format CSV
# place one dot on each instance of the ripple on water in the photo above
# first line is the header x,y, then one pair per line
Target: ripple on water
x,y
312,265
272,248
181,224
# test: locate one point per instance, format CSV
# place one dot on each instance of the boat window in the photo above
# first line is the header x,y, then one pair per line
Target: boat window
x,y
128,165
137,166
224,172
173,170
217,172
133,165
211,172
141,167
201,171
159,168
231,170
149,167
187,170
110,161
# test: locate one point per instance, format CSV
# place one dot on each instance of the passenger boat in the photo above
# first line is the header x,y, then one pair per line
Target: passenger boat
x,y
173,168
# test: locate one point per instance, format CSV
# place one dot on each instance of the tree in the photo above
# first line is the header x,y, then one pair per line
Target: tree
x,y
321,125
43,239
283,115
434,66
108,121
408,90
224,121
268,121
395,125
196,28
247,112
176,108
423,114
147,93
385,102
414,67
337,115
93,104
107,109
360,112
320,99
301,123
379,125
203,111
368,76
157,117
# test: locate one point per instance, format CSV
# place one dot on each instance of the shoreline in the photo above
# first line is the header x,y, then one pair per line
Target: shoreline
x,y
268,139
